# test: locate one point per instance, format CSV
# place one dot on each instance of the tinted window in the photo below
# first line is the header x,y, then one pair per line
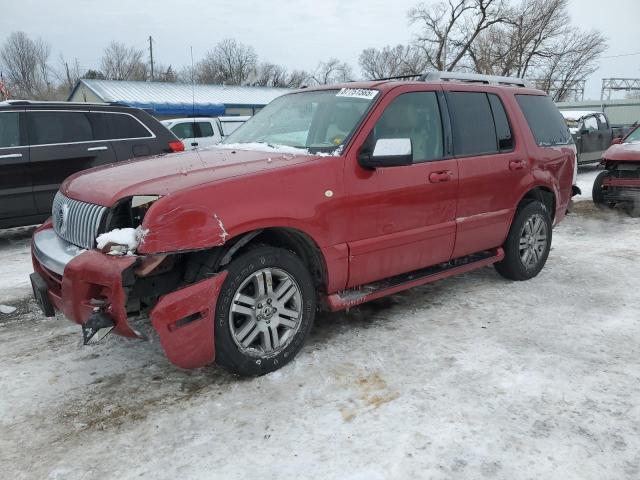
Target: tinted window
x,y
183,130
472,124
122,126
415,116
545,121
100,126
206,130
503,130
9,129
591,123
59,127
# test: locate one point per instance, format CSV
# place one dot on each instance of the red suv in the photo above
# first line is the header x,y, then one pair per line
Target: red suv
x,y
328,198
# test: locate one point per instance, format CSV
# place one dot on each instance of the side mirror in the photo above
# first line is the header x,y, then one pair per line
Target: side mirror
x,y
388,152
616,141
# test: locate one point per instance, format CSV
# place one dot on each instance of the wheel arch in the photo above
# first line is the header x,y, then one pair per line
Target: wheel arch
x,y
292,239
544,195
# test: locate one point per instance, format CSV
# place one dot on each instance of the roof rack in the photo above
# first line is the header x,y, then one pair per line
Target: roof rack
x,y
18,102
398,77
473,78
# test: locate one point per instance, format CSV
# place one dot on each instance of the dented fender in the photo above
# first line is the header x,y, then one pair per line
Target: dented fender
x,y
184,320
186,227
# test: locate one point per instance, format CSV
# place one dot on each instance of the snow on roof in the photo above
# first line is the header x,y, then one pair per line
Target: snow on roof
x,y
143,94
576,115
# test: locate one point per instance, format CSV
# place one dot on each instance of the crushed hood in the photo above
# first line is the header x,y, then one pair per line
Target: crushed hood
x,y
623,152
164,174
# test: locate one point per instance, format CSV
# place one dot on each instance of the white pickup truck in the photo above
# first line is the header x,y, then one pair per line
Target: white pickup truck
x,y
202,132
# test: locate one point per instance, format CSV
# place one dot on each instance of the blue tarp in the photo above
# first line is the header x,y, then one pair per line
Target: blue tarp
x,y
183,109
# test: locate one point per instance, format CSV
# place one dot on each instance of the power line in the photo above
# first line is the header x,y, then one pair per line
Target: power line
x,y
622,55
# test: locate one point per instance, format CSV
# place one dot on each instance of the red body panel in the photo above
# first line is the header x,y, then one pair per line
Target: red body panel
x,y
191,344
623,152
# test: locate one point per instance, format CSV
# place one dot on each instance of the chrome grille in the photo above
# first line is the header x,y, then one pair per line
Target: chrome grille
x,y
76,222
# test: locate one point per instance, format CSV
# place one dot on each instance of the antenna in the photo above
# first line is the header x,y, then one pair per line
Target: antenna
x,y
151,56
193,86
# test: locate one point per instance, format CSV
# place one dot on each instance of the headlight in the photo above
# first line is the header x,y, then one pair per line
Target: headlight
x,y
139,206
123,228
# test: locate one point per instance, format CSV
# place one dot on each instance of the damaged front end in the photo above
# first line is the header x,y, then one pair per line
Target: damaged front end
x,y
102,289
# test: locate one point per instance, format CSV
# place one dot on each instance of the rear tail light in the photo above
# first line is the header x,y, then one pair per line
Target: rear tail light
x,y
176,146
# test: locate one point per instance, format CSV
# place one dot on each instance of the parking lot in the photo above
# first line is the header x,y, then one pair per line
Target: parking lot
x,y
473,376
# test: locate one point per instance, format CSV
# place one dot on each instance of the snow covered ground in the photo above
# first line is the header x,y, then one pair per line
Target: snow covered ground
x,y
472,377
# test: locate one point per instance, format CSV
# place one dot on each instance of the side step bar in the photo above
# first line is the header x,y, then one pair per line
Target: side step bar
x,y
389,286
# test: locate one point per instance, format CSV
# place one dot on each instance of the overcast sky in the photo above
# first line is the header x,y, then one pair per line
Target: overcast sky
x,y
295,33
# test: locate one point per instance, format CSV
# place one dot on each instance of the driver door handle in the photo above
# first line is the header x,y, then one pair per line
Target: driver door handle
x,y
516,165
439,177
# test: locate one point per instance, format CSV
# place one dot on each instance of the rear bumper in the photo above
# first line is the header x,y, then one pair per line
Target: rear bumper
x,y
79,283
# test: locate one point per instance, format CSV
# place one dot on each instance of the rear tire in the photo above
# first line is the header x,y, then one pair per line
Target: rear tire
x,y
528,243
265,311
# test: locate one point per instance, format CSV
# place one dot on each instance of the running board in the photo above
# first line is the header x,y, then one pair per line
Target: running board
x,y
389,286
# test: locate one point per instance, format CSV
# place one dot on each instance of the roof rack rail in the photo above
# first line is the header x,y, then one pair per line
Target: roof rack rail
x,y
398,77
473,78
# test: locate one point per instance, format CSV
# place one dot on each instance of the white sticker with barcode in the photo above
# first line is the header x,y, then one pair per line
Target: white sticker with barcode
x,y
365,93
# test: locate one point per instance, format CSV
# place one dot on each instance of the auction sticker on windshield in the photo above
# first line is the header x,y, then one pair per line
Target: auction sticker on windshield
x,y
357,93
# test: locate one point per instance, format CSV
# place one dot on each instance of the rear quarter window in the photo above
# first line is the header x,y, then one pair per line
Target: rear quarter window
x,y
545,121
123,126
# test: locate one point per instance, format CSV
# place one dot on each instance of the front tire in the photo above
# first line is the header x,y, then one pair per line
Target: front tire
x,y
265,311
528,243
597,193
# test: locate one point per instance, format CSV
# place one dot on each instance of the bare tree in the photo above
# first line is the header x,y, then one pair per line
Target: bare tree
x,y
120,62
449,29
391,61
25,66
332,71
165,73
298,78
537,41
574,61
230,62
270,75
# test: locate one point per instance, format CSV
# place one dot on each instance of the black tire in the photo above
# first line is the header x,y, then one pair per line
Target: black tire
x,y
230,354
513,266
597,192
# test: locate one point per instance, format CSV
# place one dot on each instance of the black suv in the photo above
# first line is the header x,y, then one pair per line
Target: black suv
x,y
42,143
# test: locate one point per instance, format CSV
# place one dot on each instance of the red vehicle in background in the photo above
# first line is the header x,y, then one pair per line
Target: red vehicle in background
x,y
619,183
327,198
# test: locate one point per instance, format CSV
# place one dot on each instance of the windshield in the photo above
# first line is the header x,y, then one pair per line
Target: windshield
x,y
316,120
633,136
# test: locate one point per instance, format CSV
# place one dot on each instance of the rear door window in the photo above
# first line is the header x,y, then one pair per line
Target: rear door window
x,y
228,127
473,128
184,130
602,121
55,127
123,126
545,121
206,129
10,129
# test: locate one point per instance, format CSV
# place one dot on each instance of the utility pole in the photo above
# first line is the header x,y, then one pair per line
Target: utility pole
x,y
151,55
66,66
